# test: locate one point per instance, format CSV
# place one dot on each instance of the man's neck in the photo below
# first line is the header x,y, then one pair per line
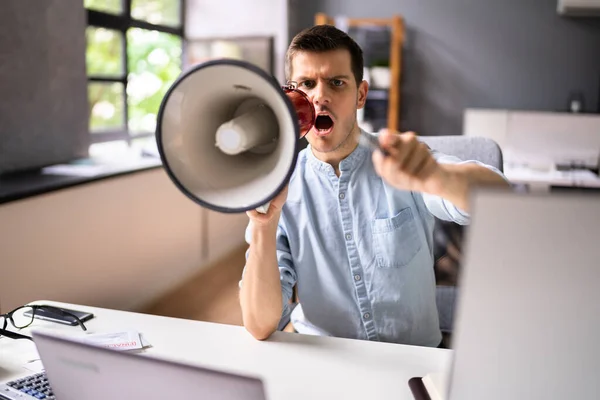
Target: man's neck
x,y
334,158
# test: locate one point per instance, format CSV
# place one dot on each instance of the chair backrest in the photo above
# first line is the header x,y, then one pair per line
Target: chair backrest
x,y
476,148
481,149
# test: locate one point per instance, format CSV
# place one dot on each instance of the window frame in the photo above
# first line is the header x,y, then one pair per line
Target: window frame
x,y
121,23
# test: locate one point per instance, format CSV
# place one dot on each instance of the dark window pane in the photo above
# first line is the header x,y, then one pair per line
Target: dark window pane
x,y
154,64
158,12
104,54
108,6
106,106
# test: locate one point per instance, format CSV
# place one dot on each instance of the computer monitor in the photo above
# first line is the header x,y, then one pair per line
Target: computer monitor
x,y
528,315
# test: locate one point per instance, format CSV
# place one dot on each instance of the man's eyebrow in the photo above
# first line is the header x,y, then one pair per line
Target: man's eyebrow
x,y
340,77
306,78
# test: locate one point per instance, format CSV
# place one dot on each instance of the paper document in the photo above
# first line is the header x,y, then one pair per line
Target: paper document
x,y
127,340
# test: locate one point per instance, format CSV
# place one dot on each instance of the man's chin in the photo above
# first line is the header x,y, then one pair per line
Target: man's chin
x,y
325,143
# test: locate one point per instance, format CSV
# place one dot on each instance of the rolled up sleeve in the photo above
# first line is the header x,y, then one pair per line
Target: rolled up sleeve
x,y
444,209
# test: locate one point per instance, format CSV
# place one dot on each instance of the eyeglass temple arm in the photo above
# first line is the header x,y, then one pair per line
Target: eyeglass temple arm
x,y
13,335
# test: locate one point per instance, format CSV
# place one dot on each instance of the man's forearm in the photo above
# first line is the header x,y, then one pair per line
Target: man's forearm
x,y
461,178
260,294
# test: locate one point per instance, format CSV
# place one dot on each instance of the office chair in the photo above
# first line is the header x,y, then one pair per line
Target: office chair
x,y
446,234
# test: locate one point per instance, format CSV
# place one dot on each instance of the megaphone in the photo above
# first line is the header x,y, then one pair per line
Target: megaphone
x,y
228,134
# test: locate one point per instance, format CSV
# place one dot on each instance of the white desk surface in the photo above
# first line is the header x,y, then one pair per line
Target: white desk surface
x,y
292,366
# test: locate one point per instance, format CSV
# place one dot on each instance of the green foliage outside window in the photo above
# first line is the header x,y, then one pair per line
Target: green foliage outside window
x,y
154,62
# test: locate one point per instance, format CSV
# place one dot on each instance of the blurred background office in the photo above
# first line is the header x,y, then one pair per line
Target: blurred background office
x,y
88,215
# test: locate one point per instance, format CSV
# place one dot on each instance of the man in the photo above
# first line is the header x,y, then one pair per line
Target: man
x,y
353,229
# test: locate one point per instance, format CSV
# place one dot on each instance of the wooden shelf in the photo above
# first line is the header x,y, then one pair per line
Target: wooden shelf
x,y
396,25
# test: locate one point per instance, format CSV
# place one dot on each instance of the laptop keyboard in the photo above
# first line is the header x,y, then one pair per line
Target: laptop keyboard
x,y
36,386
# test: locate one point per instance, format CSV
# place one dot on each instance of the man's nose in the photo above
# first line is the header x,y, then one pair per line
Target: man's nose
x,y
320,95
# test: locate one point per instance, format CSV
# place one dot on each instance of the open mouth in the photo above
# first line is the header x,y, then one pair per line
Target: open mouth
x,y
323,124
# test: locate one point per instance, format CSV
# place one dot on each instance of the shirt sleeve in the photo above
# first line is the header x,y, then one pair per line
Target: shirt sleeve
x,y
444,209
287,272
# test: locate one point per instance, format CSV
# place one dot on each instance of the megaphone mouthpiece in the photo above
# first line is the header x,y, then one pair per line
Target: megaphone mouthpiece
x,y
256,126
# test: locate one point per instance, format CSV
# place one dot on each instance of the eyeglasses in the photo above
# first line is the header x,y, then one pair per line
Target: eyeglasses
x,y
23,316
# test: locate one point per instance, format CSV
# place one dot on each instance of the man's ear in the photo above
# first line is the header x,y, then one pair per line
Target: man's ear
x,y
363,89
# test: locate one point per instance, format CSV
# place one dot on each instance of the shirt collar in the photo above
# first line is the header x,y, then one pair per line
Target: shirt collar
x,y
351,162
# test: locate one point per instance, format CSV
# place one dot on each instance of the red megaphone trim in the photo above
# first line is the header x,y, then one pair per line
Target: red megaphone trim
x,y
303,106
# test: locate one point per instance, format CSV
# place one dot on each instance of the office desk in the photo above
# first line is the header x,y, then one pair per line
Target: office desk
x,y
293,366
542,181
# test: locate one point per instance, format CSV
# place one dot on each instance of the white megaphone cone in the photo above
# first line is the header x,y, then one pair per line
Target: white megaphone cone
x,y
227,134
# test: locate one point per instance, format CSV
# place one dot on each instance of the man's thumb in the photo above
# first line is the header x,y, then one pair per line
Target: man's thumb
x,y
388,139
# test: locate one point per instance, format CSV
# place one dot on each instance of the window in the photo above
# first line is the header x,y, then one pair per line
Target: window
x,y
134,54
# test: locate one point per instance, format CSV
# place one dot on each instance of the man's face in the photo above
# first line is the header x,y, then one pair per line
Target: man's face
x,y
328,81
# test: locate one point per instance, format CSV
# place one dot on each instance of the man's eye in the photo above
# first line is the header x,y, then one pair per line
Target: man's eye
x,y
337,82
307,84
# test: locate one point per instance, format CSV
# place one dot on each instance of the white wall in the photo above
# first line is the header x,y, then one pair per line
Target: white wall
x,y
538,138
116,243
228,18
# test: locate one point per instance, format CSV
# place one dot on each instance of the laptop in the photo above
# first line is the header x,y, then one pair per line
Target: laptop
x,y
75,371
528,316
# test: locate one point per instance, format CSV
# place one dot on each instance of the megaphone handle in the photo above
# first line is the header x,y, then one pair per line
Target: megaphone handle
x,y
264,208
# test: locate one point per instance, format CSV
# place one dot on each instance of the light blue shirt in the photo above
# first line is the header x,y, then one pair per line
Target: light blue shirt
x,y
360,252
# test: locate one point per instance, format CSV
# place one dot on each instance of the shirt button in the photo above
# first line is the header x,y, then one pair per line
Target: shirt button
x,y
366,315
342,196
357,277
348,236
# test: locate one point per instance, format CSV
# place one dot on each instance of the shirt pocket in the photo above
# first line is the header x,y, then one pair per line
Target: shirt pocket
x,y
395,240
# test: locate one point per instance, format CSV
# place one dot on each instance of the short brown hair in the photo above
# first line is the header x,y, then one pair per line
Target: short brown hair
x,y
322,38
